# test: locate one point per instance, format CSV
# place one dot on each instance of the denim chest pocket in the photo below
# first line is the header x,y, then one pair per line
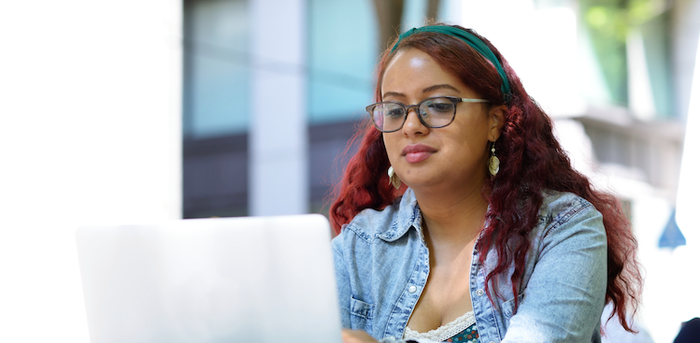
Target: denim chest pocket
x,y
508,307
361,315
361,309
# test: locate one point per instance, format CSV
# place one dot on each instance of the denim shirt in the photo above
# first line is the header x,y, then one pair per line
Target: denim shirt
x,y
382,265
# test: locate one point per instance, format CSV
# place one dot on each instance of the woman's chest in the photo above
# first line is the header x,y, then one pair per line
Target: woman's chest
x,y
445,297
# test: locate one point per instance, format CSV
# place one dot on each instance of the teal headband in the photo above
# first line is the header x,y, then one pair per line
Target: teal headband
x,y
471,40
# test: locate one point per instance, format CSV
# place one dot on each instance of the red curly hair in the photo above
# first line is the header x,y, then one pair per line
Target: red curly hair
x,y
531,160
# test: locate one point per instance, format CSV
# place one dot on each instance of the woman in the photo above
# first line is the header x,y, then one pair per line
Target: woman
x,y
460,218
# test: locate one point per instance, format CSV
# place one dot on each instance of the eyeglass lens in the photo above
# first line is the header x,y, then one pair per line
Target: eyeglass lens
x,y
433,112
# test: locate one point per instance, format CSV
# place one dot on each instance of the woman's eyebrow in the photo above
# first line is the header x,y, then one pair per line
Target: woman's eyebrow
x,y
436,87
394,94
425,90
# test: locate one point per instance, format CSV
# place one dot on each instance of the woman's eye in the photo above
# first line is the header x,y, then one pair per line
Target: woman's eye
x,y
440,107
394,113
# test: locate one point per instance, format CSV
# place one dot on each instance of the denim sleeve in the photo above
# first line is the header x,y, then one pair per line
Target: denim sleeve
x,y
565,294
342,277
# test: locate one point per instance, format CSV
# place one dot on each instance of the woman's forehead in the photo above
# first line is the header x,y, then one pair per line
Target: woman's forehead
x,y
412,70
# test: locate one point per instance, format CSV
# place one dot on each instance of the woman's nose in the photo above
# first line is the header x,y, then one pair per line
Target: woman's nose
x,y
413,125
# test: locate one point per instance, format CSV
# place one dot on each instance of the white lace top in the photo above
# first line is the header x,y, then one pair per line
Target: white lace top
x,y
444,332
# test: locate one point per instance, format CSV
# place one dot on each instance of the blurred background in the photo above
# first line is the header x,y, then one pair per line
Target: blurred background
x,y
142,111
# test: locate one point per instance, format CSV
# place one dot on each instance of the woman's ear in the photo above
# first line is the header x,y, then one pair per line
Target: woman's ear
x,y
497,116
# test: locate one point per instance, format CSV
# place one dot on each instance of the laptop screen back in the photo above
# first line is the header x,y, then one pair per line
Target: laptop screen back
x,y
248,279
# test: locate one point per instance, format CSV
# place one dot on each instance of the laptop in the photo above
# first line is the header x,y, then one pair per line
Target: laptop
x,y
247,279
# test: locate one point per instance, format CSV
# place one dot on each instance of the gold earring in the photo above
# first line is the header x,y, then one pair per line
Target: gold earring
x,y
494,162
393,178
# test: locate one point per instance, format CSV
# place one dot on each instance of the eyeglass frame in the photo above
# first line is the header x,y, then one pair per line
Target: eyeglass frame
x,y
407,109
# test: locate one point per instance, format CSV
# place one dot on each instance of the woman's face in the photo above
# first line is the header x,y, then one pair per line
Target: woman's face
x,y
452,157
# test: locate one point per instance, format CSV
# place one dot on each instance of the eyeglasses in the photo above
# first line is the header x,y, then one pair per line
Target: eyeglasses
x,y
389,116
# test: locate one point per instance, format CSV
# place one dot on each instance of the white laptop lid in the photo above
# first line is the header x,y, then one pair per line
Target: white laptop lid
x,y
248,279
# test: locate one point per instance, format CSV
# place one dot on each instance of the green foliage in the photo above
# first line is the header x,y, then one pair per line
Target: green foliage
x,y
608,23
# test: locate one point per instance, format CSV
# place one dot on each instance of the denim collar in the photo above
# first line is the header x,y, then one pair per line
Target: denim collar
x,y
408,217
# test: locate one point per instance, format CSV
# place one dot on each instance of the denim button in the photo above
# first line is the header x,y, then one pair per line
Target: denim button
x,y
412,289
480,292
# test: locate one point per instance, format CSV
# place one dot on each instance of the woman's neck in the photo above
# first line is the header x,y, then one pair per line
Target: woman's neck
x,y
454,218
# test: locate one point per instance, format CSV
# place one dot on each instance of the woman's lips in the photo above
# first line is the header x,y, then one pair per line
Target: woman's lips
x,y
417,152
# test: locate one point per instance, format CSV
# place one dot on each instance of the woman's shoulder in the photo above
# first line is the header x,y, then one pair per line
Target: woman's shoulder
x,y
387,224
556,201
562,207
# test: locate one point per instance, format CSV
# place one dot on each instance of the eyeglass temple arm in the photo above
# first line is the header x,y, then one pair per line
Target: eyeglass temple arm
x,y
473,100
